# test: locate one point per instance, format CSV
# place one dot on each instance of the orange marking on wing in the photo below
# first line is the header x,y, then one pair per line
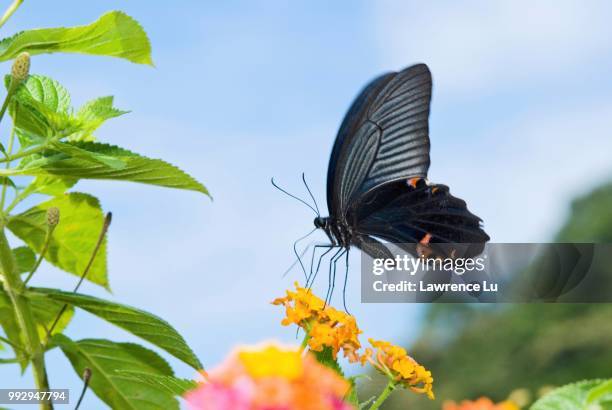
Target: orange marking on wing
x,y
434,189
425,239
413,182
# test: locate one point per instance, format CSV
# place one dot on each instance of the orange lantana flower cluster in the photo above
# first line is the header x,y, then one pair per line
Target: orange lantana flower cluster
x,y
331,328
394,362
325,326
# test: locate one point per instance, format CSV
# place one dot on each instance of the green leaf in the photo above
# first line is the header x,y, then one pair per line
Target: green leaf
x,y
93,114
40,108
143,324
46,91
9,324
570,397
25,259
99,166
50,185
108,360
75,152
45,311
172,385
74,238
326,358
600,393
8,182
351,396
114,34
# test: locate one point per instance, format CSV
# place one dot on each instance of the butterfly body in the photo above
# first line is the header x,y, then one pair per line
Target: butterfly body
x,y
376,182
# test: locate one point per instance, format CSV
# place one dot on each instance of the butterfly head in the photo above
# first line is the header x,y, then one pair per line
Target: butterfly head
x,y
322,223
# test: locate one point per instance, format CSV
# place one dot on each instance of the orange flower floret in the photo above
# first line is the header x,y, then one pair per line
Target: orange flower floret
x,y
395,362
326,326
483,403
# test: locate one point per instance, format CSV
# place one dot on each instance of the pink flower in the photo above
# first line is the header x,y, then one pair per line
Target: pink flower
x,y
270,377
214,396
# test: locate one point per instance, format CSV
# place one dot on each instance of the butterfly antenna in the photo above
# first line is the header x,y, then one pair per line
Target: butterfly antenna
x,y
293,196
310,193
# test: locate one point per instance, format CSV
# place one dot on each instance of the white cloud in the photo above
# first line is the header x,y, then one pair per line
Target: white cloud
x,y
475,44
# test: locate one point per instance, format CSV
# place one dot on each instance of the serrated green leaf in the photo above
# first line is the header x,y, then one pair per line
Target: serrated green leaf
x,y
114,34
570,397
169,384
41,108
25,258
74,238
143,324
326,358
75,152
137,168
45,90
92,115
107,361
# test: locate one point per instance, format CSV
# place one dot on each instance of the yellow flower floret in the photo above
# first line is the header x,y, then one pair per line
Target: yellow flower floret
x,y
272,361
395,362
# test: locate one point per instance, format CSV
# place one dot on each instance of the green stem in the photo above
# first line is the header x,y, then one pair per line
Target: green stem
x,y
11,90
17,200
41,255
24,153
106,224
8,342
383,395
25,319
10,11
305,341
8,164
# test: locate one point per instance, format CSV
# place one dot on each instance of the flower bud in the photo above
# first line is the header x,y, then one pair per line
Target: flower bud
x,y
21,67
86,374
53,216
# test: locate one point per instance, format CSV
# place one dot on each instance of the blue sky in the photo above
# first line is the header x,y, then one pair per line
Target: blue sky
x,y
243,91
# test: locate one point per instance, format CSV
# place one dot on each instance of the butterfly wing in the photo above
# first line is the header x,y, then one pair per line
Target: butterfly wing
x,y
383,137
413,211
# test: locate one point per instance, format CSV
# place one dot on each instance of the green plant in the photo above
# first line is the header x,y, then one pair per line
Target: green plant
x,y
584,395
50,148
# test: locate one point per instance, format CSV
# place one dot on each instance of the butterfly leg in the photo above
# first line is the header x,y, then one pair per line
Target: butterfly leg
x,y
314,252
332,274
312,277
297,255
296,261
346,263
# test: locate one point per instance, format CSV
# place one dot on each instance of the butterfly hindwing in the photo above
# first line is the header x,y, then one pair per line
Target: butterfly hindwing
x,y
413,211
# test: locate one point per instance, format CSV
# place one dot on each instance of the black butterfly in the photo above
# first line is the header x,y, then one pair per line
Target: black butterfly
x,y
376,181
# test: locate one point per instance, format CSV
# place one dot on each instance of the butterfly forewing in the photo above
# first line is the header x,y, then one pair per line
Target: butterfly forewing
x,y
384,137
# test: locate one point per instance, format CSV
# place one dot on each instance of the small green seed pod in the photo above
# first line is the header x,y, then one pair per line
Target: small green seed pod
x,y
21,67
53,216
